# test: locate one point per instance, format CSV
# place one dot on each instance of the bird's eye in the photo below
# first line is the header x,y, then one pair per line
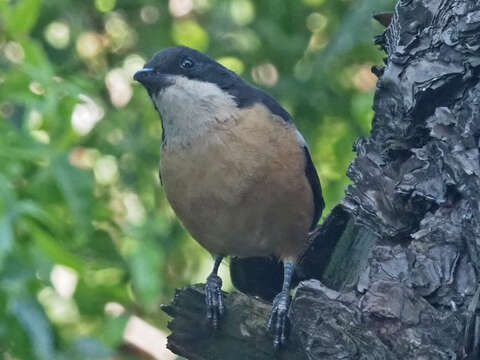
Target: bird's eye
x,y
186,63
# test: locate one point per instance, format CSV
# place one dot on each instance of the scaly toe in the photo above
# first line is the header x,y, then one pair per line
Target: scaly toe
x,y
277,322
214,300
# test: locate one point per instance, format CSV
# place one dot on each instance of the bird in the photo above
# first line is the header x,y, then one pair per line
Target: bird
x,y
235,170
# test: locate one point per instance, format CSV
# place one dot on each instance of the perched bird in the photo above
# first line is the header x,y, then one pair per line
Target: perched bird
x,y
235,169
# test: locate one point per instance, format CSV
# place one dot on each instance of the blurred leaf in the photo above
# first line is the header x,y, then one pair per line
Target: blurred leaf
x,y
7,202
16,275
53,249
13,339
189,33
35,324
36,65
347,36
23,16
146,263
101,249
6,238
112,330
91,296
77,188
7,196
87,348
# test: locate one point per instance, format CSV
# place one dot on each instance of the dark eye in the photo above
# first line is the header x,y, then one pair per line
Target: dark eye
x,y
186,63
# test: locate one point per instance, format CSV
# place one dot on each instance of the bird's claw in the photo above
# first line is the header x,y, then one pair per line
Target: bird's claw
x,y
277,322
214,299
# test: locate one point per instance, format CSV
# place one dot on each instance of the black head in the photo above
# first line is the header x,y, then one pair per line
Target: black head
x,y
159,72
183,61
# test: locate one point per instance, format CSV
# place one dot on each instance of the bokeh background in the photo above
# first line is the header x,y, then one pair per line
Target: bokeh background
x,y
89,247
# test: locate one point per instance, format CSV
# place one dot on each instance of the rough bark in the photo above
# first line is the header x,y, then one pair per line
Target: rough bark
x,y
242,333
400,276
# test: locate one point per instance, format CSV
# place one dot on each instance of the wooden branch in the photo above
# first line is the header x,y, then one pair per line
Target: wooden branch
x,y
389,322
242,333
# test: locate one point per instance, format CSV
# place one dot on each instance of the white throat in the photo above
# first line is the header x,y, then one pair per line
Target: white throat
x,y
191,108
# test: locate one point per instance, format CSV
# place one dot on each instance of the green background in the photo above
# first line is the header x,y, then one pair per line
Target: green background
x,y
87,238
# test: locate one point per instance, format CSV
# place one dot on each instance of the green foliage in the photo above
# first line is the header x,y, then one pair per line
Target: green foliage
x,y
84,223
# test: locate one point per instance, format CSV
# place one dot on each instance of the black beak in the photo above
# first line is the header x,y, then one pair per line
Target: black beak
x,y
152,80
142,74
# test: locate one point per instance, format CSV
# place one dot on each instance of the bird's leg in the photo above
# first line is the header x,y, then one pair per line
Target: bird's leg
x,y
213,294
278,317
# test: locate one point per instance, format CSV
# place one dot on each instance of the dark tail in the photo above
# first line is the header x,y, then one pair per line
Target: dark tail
x,y
263,277
257,276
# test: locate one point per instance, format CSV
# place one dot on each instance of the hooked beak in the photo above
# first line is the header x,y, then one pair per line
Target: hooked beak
x,y
152,80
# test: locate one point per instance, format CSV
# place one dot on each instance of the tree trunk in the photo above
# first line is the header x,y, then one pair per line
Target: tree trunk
x,y
401,281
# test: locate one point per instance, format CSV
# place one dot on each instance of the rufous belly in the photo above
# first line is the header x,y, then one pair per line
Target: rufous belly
x,y
241,189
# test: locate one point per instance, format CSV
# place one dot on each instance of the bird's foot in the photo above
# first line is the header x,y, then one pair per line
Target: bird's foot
x,y
277,323
214,299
